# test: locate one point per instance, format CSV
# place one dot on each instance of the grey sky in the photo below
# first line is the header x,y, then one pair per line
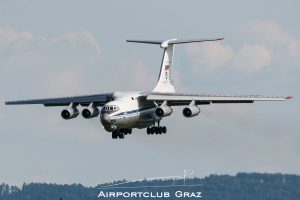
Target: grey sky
x,y
57,48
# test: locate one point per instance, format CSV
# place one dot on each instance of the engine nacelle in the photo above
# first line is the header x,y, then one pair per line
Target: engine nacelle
x,y
69,113
90,112
163,111
191,111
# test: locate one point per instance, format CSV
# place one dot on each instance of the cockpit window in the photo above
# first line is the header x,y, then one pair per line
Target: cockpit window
x,y
109,109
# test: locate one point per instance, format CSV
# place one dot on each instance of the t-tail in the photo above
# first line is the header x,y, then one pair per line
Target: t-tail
x,y
164,84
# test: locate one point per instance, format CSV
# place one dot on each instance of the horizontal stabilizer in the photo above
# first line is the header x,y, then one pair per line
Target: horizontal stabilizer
x,y
174,41
146,41
195,40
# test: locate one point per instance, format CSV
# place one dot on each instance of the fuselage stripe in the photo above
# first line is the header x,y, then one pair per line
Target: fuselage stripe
x,y
132,111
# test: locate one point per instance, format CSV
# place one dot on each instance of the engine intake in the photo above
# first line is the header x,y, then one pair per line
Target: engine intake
x,y
191,111
69,113
163,111
90,112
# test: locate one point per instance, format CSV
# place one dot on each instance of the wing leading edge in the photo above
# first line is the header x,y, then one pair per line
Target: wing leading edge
x,y
97,99
177,99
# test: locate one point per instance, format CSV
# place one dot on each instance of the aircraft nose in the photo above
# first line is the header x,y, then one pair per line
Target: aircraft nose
x,y
105,119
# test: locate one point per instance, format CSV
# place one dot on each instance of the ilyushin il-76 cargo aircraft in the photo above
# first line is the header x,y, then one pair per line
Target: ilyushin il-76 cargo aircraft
x,y
123,111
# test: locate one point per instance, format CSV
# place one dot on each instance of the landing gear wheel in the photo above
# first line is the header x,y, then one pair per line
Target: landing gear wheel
x,y
152,130
123,131
114,135
118,134
160,130
121,135
164,129
156,130
148,131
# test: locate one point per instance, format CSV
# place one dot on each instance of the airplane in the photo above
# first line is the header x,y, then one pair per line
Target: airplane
x,y
123,111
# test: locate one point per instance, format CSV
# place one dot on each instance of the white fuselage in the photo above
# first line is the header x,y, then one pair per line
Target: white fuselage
x,y
128,110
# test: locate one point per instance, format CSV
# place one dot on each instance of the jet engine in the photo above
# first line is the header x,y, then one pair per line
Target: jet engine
x,y
163,111
90,112
191,111
69,113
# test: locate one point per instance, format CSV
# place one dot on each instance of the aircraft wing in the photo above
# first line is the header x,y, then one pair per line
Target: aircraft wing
x,y
180,99
97,99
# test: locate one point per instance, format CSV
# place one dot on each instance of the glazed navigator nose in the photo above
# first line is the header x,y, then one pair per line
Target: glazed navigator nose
x,y
105,119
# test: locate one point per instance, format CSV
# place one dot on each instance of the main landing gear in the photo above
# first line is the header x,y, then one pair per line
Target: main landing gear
x,y
120,133
156,129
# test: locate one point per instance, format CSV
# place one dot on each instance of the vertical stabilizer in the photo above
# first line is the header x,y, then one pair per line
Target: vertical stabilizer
x,y
164,83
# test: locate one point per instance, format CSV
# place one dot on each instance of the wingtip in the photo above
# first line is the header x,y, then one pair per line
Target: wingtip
x,y
289,97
